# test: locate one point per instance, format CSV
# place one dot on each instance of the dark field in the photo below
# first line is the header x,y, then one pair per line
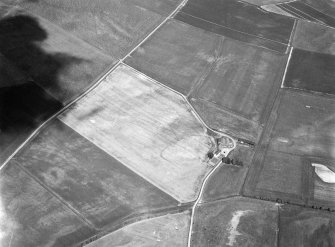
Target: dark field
x,y
314,37
311,71
243,80
22,108
238,222
241,17
95,184
114,27
228,179
307,12
300,227
325,6
30,216
231,33
177,55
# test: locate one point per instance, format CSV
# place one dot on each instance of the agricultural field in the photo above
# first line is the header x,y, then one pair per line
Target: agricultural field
x,y
228,179
273,8
311,71
96,185
314,37
114,27
168,230
325,6
227,122
241,21
177,55
303,10
264,2
31,216
301,227
148,128
305,125
236,222
300,134
243,81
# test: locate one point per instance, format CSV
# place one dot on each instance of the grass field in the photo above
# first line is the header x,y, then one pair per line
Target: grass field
x,y
314,37
112,26
236,222
311,71
300,227
177,55
169,230
148,128
102,189
31,216
228,179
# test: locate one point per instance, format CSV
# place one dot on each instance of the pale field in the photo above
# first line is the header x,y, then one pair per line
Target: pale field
x,y
275,9
168,230
147,127
324,187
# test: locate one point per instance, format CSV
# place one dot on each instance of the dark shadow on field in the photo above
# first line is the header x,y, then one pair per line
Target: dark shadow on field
x,y
24,66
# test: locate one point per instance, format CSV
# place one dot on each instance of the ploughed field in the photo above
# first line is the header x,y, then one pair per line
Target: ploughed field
x,y
155,83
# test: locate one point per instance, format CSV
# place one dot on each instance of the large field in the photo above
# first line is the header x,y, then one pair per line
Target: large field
x,y
148,128
113,26
238,222
177,55
96,185
164,231
31,216
244,80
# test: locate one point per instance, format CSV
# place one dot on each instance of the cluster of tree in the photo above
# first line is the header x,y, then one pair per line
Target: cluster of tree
x,y
234,162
